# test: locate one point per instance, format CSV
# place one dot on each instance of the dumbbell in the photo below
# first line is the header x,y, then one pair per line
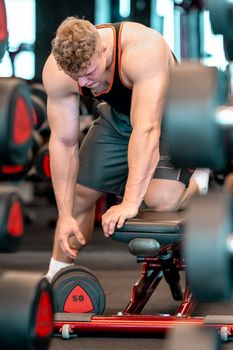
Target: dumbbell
x,y
19,119
16,121
26,317
11,222
19,172
197,119
221,17
77,290
208,246
14,173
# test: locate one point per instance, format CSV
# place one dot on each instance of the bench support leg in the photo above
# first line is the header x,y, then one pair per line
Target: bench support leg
x,y
144,288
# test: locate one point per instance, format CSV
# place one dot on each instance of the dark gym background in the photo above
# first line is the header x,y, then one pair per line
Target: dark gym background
x,y
186,28
189,33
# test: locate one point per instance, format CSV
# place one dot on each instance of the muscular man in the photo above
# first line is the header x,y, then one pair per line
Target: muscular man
x,y
126,65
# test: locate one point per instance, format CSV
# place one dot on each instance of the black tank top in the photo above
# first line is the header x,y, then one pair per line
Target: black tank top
x,y
118,95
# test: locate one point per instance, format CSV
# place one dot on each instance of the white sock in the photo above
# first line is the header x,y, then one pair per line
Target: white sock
x,y
201,177
55,266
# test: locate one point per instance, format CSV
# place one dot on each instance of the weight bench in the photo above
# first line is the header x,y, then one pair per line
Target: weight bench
x,y
165,227
155,239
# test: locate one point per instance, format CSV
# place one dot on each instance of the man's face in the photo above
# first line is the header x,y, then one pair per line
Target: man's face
x,y
92,75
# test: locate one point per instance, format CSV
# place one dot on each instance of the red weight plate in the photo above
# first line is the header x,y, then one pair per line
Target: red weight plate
x,y
15,224
3,22
78,301
22,127
44,317
46,166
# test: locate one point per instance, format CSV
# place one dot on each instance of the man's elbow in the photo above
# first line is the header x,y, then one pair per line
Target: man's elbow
x,y
63,141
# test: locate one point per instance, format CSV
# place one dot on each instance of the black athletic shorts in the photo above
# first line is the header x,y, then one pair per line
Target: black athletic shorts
x,y
103,154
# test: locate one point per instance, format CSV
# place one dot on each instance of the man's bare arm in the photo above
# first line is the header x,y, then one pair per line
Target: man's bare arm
x,y
63,113
150,82
63,150
143,150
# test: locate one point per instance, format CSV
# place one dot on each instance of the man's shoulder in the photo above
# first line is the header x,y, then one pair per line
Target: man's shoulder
x,y
143,52
55,80
50,65
139,28
137,35
141,41
127,26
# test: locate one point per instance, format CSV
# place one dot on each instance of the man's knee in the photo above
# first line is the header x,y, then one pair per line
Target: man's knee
x,y
164,196
162,203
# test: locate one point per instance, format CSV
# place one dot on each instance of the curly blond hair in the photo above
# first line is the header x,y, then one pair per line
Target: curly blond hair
x,y
75,43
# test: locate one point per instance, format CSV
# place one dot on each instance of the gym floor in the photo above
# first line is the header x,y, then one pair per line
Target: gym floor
x,y
116,270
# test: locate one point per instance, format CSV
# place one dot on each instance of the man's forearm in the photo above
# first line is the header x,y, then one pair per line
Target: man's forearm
x,y
143,157
64,169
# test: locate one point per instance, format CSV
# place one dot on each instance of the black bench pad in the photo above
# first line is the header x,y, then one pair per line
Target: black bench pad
x,y
165,227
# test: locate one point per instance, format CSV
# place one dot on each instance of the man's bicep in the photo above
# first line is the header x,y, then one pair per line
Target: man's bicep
x,y
148,99
63,116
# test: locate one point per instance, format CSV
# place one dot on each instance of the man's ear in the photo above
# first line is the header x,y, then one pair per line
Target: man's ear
x,y
104,48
